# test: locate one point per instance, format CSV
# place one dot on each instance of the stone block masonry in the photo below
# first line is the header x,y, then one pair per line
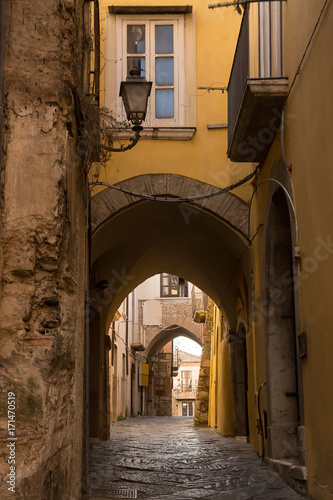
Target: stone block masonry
x,y
202,397
43,234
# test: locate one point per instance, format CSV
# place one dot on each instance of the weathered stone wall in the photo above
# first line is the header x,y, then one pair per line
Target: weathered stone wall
x,y
202,398
177,312
162,385
2,56
43,226
176,320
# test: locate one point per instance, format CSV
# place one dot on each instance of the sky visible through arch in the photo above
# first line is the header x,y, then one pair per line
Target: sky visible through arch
x,y
187,345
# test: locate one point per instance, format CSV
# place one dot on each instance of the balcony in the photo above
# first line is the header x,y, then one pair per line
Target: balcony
x,y
199,306
140,341
184,391
257,89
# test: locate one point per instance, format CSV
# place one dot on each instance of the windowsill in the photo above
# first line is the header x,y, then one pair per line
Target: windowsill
x,y
181,9
173,297
161,133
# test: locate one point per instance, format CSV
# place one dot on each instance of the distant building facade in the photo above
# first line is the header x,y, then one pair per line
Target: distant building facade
x,y
185,384
140,340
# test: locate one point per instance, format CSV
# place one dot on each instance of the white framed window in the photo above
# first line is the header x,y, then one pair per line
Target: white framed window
x,y
187,408
155,46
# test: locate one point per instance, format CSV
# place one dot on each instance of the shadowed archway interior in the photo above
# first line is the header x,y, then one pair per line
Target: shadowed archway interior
x,y
132,240
150,237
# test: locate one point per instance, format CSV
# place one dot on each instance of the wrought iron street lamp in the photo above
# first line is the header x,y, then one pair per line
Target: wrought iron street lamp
x,y
134,92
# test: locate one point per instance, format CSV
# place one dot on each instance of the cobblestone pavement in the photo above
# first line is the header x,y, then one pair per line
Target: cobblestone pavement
x,y
166,458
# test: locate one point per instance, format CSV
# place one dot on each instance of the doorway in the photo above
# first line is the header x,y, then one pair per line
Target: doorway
x,y
281,356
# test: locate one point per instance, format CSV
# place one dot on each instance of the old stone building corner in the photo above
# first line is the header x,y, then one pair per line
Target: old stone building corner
x,y
43,245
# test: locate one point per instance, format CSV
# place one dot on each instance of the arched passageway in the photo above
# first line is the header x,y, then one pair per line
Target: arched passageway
x,y
163,368
148,236
204,242
169,334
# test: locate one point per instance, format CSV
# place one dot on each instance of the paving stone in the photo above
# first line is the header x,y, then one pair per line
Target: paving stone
x,y
164,458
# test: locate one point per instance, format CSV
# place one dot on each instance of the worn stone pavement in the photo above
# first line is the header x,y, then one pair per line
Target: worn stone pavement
x,y
167,458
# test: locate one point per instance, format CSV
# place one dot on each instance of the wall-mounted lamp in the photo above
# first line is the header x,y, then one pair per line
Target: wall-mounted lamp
x,y
134,93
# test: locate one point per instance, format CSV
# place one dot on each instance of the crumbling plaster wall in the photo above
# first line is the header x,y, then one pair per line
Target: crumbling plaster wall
x,y
43,227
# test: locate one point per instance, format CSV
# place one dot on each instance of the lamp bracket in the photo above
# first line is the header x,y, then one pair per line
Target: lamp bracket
x,y
137,129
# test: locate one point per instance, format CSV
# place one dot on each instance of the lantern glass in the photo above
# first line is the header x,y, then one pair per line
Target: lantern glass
x,y
134,93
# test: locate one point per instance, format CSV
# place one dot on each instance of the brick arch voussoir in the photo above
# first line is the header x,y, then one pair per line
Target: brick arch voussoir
x,y
226,206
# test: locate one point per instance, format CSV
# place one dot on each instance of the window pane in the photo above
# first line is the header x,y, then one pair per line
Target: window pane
x,y
164,39
164,103
174,285
136,39
164,71
136,63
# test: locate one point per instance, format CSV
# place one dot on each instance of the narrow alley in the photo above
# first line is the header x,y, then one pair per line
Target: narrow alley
x,y
166,457
166,249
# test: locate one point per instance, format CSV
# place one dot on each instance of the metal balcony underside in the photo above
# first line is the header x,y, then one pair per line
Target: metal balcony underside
x,y
138,347
258,119
199,316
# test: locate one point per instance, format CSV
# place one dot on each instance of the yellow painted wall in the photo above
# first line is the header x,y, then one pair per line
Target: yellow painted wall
x,y
212,413
220,399
225,421
204,156
312,177
309,148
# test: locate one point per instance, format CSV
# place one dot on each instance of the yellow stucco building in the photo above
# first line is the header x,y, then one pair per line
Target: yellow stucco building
x,y
228,188
238,96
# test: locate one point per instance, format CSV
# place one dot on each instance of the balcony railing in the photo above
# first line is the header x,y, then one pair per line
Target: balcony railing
x,y
186,388
239,74
257,88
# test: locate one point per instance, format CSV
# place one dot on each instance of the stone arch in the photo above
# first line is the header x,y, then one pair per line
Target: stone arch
x,y
153,356
204,242
227,206
169,334
215,229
